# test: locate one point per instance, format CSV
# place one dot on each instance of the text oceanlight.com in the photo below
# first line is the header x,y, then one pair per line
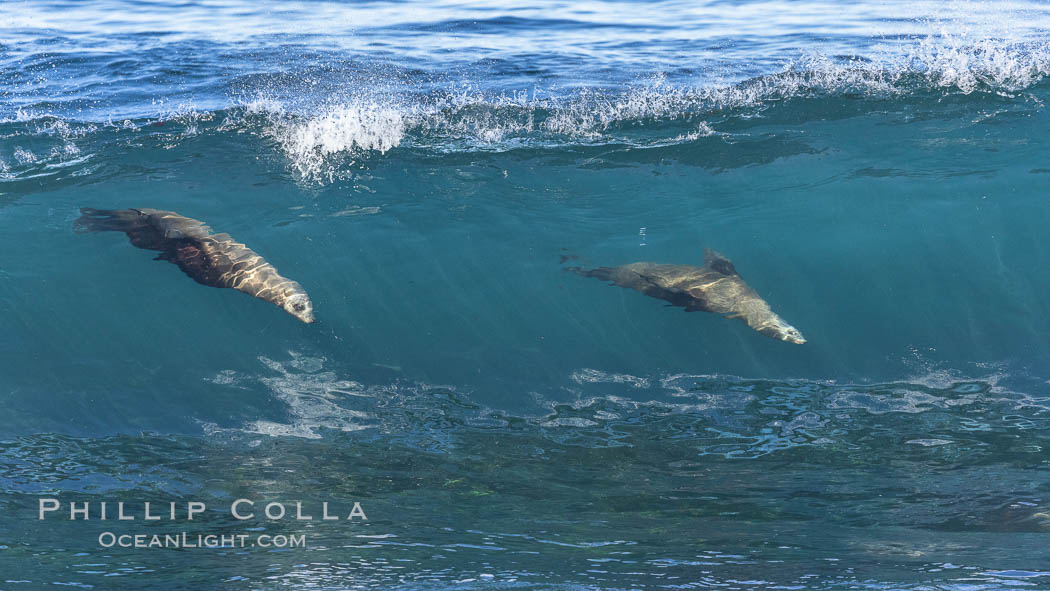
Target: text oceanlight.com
x,y
186,540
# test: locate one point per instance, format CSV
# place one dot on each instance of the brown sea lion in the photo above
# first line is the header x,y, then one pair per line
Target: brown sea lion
x,y
715,287
210,259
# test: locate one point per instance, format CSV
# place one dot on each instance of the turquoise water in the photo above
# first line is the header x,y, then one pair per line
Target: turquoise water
x,y
876,172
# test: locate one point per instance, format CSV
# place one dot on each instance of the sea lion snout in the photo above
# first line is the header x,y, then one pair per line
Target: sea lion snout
x,y
792,335
299,305
784,332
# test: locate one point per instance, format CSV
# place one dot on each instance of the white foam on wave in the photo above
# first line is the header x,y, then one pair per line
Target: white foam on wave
x,y
929,442
746,418
54,144
951,61
24,156
317,145
715,414
316,399
594,376
323,140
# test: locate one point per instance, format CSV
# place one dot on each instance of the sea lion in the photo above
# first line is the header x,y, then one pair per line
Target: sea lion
x,y
715,287
210,259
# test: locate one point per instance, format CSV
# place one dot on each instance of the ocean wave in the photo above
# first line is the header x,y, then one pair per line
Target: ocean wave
x,y
323,140
321,146
727,416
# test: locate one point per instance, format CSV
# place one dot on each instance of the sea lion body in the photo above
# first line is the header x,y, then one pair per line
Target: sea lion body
x,y
210,259
715,287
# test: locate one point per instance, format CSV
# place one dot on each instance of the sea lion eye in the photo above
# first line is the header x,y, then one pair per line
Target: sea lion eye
x,y
299,307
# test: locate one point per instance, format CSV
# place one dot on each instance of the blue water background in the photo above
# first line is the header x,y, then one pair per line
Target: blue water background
x,y
876,171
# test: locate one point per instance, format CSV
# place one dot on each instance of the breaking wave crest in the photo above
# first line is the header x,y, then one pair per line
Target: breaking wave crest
x,y
317,144
321,140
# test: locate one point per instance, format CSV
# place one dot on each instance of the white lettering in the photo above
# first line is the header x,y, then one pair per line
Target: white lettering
x,y
236,514
52,505
324,512
279,515
357,511
193,508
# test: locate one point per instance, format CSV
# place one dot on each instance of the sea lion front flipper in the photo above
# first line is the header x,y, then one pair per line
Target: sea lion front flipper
x,y
132,222
192,258
718,262
694,305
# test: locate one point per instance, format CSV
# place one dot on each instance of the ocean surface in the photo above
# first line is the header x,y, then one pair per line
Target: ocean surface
x,y
879,172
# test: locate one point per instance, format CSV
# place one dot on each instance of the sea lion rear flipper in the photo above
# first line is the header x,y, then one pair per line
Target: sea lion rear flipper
x,y
603,273
718,262
132,222
102,220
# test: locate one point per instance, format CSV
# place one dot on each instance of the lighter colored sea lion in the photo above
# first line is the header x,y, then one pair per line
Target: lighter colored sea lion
x,y
210,259
715,287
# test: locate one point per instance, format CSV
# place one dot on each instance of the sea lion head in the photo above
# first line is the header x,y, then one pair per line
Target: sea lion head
x,y
778,329
299,305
